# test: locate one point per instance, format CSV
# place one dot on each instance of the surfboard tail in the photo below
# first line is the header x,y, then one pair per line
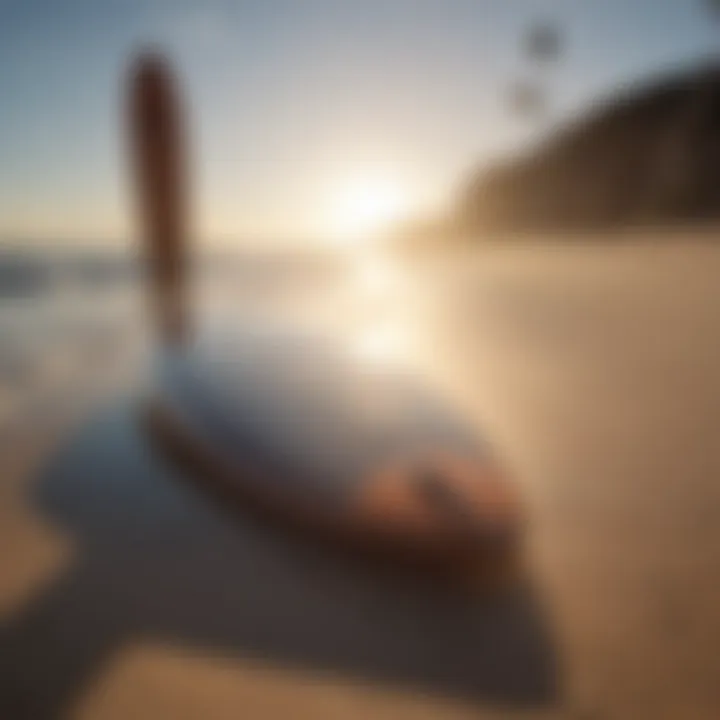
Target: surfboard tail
x,y
159,167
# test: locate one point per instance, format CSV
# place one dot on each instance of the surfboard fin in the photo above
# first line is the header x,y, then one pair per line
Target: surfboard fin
x,y
158,162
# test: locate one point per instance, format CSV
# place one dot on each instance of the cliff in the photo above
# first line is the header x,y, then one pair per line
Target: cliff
x,y
650,156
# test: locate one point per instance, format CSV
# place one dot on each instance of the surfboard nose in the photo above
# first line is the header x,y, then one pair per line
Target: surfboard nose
x,y
468,506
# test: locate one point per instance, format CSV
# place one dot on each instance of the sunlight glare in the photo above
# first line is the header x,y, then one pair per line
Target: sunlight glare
x,y
379,346
374,277
365,208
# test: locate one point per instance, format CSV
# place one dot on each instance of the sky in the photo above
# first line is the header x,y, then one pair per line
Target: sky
x,y
299,108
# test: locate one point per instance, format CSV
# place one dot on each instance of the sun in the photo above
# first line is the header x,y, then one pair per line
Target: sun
x,y
364,208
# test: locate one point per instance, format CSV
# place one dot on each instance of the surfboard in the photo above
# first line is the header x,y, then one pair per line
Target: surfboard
x,y
286,423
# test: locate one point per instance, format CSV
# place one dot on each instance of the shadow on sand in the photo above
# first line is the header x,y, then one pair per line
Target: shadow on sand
x,y
156,559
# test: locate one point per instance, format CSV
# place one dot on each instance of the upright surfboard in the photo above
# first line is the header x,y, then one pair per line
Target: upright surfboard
x,y
289,425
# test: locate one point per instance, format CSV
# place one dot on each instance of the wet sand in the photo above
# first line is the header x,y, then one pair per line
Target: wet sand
x,y
593,369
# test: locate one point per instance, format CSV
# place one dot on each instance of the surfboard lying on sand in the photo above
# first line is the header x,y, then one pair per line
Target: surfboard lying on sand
x,y
290,425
